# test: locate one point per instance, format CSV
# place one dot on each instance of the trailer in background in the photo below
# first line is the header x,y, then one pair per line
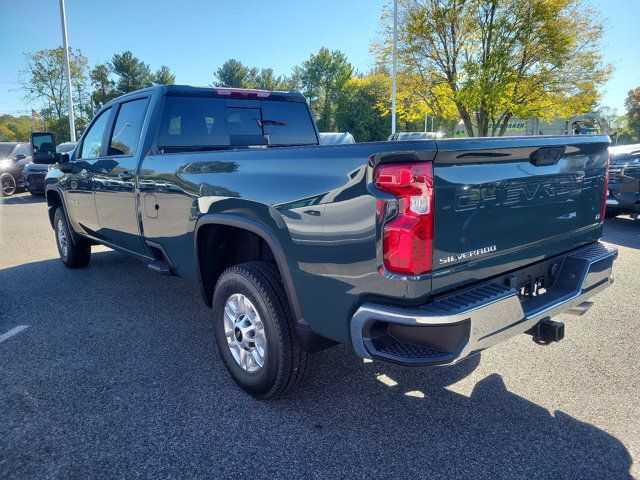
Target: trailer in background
x,y
587,124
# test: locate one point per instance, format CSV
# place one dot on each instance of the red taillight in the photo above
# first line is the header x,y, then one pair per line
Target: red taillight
x,y
408,237
603,212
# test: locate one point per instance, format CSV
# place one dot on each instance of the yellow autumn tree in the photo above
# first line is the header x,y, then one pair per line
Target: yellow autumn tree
x,y
492,60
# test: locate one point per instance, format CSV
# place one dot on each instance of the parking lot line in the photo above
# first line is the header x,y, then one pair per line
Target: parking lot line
x,y
12,332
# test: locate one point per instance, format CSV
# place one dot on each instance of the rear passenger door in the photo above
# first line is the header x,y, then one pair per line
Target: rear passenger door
x,y
115,178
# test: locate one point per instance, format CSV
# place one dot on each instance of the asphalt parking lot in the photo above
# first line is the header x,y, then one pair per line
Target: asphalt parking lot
x,y
116,375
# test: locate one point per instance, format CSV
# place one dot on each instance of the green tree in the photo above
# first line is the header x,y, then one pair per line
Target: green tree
x,y
133,74
60,126
81,92
293,82
267,80
164,76
6,135
44,81
104,88
15,129
322,77
361,108
632,104
496,59
233,74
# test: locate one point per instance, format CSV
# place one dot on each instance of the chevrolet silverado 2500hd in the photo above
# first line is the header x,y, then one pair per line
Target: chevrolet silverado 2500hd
x,y
416,252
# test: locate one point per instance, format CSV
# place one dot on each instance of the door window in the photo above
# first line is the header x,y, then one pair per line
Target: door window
x,y
92,143
126,131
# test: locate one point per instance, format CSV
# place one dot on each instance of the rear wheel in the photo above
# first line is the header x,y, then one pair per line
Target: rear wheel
x,y
254,330
74,254
8,185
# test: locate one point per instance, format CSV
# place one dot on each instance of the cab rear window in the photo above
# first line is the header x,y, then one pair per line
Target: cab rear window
x,y
208,123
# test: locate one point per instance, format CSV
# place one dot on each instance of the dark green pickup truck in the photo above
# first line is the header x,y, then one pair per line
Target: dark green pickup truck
x,y
418,253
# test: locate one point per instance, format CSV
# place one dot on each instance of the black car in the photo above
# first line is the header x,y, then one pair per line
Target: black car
x,y
624,180
34,173
13,158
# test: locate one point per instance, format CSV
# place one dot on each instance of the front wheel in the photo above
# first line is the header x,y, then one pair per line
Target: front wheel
x,y
254,331
74,254
8,185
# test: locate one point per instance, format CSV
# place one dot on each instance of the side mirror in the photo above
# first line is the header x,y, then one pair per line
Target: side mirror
x,y
64,163
43,147
19,157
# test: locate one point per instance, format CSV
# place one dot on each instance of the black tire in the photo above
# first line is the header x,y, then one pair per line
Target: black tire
x,y
8,185
285,362
36,194
78,252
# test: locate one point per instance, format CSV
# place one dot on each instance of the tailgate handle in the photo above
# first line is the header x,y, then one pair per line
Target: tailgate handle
x,y
546,155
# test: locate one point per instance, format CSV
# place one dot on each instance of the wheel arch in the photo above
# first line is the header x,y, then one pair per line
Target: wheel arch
x,y
210,228
54,200
241,224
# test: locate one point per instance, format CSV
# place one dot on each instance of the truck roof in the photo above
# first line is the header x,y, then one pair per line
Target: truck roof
x,y
222,92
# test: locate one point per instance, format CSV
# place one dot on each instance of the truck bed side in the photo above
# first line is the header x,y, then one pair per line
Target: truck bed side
x,y
320,203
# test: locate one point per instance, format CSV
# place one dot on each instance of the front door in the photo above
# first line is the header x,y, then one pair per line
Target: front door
x,y
114,180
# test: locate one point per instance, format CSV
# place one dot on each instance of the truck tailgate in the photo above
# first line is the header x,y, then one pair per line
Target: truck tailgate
x,y
504,203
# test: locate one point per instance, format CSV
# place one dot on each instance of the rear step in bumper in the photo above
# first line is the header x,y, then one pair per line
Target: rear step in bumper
x,y
464,323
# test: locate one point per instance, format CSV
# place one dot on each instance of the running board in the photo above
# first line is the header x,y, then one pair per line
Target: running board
x,y
160,267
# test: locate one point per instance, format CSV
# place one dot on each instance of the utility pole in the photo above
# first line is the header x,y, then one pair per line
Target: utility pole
x,y
394,68
67,68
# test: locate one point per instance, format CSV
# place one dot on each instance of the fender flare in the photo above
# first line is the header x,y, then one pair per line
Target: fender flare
x,y
47,191
63,203
309,340
267,234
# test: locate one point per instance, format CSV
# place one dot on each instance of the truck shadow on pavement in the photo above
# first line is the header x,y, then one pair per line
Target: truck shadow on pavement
x,y
118,376
410,418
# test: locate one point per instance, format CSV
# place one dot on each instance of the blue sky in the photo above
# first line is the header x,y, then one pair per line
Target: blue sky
x,y
195,37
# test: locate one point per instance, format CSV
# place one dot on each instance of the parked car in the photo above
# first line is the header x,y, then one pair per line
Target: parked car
x,y
336,138
418,255
624,181
409,136
34,173
66,147
13,157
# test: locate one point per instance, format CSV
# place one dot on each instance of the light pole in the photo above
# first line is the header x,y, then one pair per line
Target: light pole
x,y
67,69
394,67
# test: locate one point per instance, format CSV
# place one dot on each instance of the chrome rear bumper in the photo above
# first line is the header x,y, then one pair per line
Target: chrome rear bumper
x,y
464,323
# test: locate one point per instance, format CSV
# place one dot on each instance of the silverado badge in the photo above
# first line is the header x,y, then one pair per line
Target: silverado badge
x,y
470,254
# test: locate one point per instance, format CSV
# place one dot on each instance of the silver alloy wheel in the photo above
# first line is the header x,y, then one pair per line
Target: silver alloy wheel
x,y
8,184
245,334
62,238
